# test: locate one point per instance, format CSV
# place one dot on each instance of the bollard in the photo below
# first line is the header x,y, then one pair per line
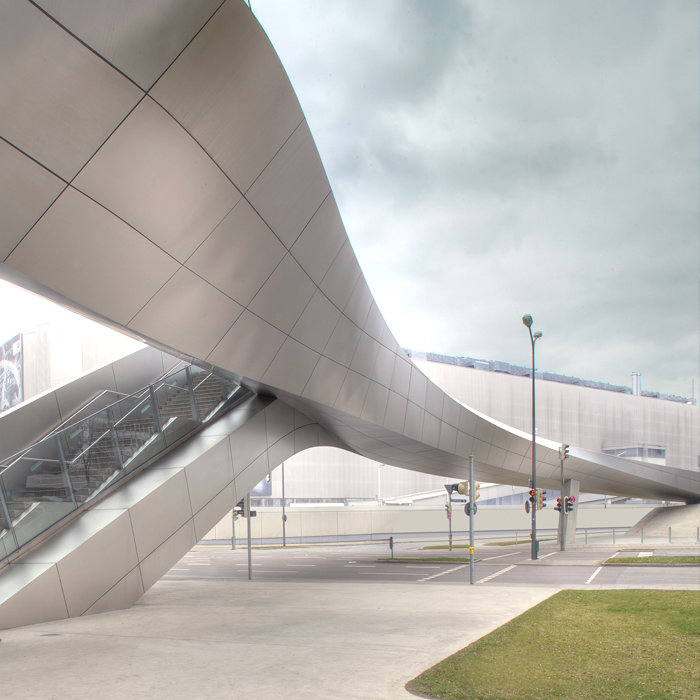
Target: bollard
x,y
391,545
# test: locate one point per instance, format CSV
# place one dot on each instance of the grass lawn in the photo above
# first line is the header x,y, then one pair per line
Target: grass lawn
x,y
606,645
646,561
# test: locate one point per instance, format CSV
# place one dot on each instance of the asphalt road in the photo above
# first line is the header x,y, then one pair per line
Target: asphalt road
x,y
356,628
494,566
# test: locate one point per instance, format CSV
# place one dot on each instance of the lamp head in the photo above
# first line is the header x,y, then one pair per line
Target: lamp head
x,y
537,335
527,320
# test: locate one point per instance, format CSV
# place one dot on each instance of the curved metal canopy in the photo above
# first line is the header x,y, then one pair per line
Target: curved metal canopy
x,y
158,175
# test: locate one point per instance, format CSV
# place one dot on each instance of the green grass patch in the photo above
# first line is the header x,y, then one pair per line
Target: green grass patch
x,y
647,561
607,645
445,546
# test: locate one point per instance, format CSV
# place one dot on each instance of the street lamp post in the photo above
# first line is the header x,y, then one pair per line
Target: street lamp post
x,y
527,321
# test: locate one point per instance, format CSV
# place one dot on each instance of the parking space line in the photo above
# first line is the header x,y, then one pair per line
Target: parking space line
x,y
273,571
442,573
594,574
498,573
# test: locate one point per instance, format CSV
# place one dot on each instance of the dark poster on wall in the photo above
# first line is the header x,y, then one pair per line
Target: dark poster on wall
x,y
11,389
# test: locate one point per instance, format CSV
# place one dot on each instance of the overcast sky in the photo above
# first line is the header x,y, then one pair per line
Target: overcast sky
x,y
495,158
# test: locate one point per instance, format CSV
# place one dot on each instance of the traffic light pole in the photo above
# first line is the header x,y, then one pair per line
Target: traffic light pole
x,y
533,534
449,517
284,512
562,513
471,519
527,321
250,538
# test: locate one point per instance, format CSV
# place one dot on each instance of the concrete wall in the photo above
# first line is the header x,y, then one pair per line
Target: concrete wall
x,y
365,521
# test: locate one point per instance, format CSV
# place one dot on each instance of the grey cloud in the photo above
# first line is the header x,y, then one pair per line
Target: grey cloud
x,y
496,158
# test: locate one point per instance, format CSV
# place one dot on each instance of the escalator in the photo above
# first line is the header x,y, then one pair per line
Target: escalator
x,y
97,510
48,482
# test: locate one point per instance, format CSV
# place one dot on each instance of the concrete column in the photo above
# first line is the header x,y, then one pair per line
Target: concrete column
x,y
571,488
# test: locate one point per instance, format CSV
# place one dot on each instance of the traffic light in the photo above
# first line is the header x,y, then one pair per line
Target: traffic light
x,y
540,498
558,506
476,493
569,504
563,451
463,488
451,488
532,495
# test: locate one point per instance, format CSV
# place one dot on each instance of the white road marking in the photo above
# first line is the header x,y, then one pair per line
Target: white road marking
x,y
544,556
360,566
385,573
273,571
442,573
594,574
645,554
500,556
498,573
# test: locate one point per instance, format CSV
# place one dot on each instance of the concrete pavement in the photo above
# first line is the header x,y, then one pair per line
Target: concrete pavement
x,y
218,639
213,634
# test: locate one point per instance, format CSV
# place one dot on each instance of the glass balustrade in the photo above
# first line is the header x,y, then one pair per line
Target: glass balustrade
x,y
68,468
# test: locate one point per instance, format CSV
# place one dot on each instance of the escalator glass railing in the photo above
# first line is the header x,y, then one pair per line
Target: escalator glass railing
x,y
60,474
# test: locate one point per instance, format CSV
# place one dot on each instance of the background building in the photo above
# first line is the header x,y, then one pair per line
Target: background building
x,y
55,353
621,420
